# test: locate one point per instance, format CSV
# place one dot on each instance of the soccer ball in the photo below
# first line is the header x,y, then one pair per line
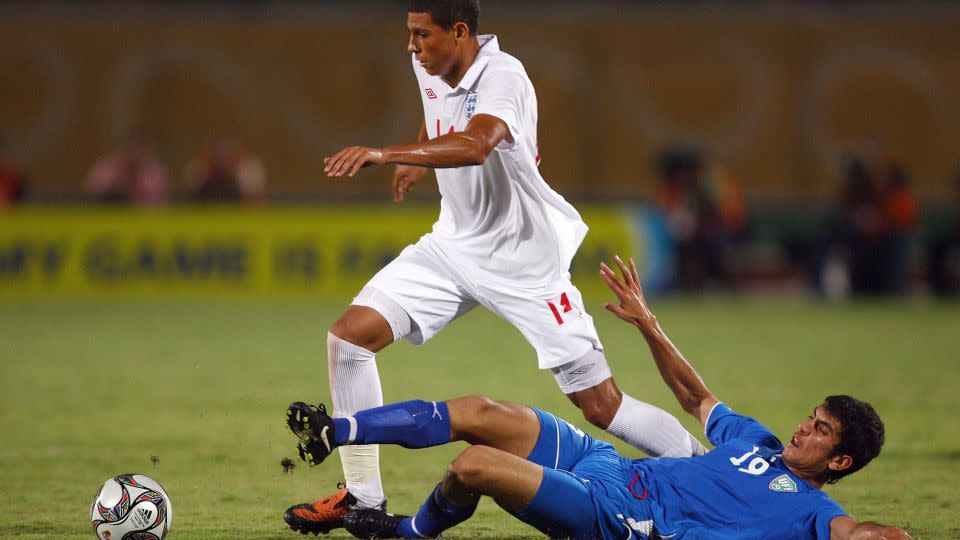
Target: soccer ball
x,y
131,507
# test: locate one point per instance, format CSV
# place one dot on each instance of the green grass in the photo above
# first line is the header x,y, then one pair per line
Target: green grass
x,y
90,390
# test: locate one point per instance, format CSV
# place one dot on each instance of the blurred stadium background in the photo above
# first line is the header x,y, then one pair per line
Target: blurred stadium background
x,y
787,173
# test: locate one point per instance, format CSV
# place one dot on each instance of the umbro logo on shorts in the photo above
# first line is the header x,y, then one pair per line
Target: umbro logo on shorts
x,y
582,369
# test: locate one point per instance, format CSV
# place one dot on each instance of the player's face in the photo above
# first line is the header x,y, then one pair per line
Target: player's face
x,y
434,47
812,449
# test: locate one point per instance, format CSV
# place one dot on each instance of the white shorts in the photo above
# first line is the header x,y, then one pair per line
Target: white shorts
x,y
434,291
585,372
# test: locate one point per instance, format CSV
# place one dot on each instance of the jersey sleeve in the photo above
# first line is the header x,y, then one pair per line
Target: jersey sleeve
x,y
823,518
725,425
501,93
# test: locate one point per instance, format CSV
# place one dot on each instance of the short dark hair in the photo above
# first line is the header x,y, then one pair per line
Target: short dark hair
x,y
861,432
446,13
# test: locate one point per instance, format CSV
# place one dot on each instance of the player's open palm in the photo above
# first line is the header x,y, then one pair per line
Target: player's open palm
x,y
404,178
632,307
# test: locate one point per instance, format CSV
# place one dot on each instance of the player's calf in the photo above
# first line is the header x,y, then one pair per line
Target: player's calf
x,y
411,424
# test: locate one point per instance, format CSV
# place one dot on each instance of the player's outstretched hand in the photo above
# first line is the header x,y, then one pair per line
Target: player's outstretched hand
x,y
351,159
844,528
896,533
632,307
404,178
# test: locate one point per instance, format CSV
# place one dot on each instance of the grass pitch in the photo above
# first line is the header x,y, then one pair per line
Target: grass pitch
x,y
91,390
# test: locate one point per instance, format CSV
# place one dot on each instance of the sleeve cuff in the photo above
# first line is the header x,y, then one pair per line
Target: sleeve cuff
x,y
706,426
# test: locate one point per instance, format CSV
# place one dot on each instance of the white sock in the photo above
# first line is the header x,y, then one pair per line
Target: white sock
x,y
355,385
653,430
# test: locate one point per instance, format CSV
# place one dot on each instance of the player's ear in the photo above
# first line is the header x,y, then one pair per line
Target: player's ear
x,y
840,462
461,30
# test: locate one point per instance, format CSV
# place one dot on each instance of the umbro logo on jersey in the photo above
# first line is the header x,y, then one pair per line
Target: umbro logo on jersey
x,y
582,369
783,484
430,93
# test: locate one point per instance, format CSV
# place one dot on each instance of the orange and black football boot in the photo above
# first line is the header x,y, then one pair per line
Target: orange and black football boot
x,y
325,514
315,430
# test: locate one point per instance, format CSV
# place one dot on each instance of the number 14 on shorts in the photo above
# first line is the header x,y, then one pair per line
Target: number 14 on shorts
x,y
564,307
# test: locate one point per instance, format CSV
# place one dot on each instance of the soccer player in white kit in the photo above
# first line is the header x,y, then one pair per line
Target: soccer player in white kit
x,y
504,240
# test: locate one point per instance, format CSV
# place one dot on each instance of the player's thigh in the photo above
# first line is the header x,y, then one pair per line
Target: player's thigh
x,y
503,425
561,445
562,507
419,283
510,480
552,319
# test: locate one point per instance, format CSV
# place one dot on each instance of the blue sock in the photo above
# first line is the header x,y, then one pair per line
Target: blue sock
x,y
435,516
410,424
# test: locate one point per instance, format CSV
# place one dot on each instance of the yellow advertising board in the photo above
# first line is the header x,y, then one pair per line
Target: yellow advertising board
x,y
313,252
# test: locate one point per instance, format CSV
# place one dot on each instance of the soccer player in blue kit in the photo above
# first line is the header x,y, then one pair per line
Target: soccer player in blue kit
x,y
556,478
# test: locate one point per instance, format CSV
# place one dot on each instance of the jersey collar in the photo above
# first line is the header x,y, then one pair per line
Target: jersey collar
x,y
779,457
488,48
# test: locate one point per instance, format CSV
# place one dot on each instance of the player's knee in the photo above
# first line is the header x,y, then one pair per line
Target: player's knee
x,y
480,407
472,467
346,329
474,414
363,328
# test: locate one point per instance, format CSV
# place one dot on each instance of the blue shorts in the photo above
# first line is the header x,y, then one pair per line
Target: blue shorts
x,y
563,506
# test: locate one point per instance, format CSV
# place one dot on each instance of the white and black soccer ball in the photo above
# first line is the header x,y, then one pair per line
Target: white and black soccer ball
x,y
131,507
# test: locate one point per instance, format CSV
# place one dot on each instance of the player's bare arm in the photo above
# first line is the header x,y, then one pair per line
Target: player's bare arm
x,y
458,149
844,528
406,176
679,375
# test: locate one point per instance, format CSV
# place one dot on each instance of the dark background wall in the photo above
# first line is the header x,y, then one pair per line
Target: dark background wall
x,y
773,93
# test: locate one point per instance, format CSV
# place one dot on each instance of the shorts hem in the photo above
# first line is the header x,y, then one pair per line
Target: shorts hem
x,y
416,335
571,358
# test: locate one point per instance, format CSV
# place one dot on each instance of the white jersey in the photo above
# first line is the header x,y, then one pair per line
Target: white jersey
x,y
500,218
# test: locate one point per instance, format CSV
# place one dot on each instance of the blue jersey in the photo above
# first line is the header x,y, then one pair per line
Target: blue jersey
x,y
739,490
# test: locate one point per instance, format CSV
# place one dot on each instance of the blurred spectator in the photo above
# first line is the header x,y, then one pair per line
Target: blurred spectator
x,y
854,235
132,174
867,249
13,183
225,172
703,216
900,215
731,204
943,269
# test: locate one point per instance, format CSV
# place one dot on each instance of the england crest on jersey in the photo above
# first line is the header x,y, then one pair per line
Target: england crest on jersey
x,y
471,105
